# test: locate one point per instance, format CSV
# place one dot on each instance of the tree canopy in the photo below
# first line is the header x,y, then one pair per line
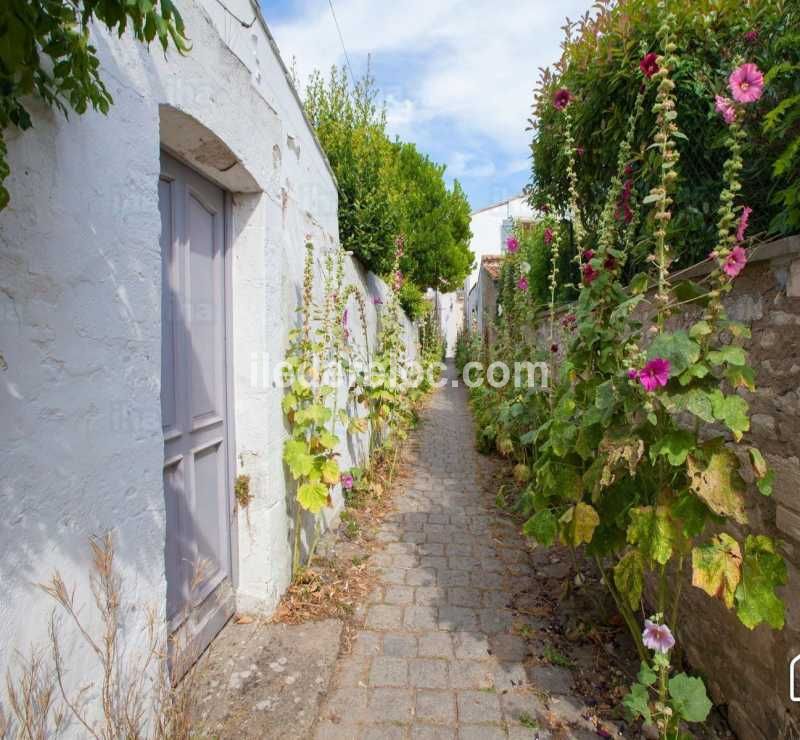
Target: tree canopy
x,y
388,188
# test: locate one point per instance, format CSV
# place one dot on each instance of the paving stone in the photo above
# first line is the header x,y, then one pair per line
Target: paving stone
x,y
508,647
435,645
481,732
517,704
553,679
432,732
453,618
399,595
430,595
478,706
391,705
420,618
429,673
387,671
473,645
351,670
384,732
367,643
436,706
384,617
400,645
328,730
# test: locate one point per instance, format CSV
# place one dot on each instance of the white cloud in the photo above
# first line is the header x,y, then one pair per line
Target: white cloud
x,y
478,60
465,164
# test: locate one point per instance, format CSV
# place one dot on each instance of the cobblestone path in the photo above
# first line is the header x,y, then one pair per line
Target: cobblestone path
x,y
443,652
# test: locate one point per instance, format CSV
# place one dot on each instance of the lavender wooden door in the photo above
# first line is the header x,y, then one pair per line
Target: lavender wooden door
x,y
195,406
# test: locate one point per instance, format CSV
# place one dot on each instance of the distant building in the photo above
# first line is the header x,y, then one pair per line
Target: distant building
x,y
481,302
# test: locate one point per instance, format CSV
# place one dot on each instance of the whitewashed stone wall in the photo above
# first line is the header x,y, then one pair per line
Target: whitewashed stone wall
x,y
81,447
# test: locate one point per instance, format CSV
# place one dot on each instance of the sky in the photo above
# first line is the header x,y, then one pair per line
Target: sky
x,y
457,76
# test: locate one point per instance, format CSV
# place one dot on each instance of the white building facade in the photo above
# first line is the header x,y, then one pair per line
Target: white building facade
x,y
151,263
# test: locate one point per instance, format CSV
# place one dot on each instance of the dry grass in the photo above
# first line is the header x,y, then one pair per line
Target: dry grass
x,y
135,697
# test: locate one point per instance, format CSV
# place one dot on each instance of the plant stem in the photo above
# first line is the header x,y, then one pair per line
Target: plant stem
x,y
625,611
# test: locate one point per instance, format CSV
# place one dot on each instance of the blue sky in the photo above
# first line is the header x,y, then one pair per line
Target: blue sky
x,y
457,75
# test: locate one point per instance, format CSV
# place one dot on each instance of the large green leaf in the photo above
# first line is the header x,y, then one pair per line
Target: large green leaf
x,y
542,527
675,446
678,348
717,567
732,411
652,531
329,472
718,483
730,355
298,458
763,570
313,496
689,697
629,577
637,702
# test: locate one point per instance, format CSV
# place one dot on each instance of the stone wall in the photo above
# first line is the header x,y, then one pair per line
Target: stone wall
x,y
748,670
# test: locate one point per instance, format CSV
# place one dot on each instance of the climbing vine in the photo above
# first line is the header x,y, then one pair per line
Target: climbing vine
x,y
637,453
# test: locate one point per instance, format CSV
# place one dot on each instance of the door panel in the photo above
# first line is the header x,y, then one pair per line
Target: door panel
x,y
194,404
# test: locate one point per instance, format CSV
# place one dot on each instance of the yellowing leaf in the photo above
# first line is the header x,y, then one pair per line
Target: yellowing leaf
x,y
579,522
718,483
313,497
717,568
763,570
629,577
652,531
330,472
619,452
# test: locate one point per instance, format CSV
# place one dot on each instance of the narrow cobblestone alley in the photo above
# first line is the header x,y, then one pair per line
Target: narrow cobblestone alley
x,y
443,652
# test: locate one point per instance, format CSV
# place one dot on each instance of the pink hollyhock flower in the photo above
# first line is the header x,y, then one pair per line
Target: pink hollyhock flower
x,y
633,374
751,36
746,83
377,300
725,108
657,637
610,263
580,151
522,283
346,481
512,244
569,321
587,255
589,274
744,219
554,348
649,64
735,262
548,236
561,98
655,374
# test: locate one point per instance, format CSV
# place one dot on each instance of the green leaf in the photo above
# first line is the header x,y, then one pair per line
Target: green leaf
x,y
298,458
765,484
316,413
689,697
639,284
732,411
717,482
675,446
579,522
637,702
651,530
698,370
700,329
763,570
759,463
289,403
678,348
629,578
542,527
717,568
741,377
647,675
730,355
313,497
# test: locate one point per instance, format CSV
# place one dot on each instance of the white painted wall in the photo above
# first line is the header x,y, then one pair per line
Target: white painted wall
x,y
81,448
487,228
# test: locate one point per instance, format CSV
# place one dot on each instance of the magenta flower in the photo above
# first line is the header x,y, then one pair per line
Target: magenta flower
x,y
746,83
580,151
655,374
587,255
751,36
725,108
589,274
657,637
735,262
744,219
569,321
561,98
610,263
554,348
346,480
649,64
633,374
548,236
512,244
377,300
522,283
